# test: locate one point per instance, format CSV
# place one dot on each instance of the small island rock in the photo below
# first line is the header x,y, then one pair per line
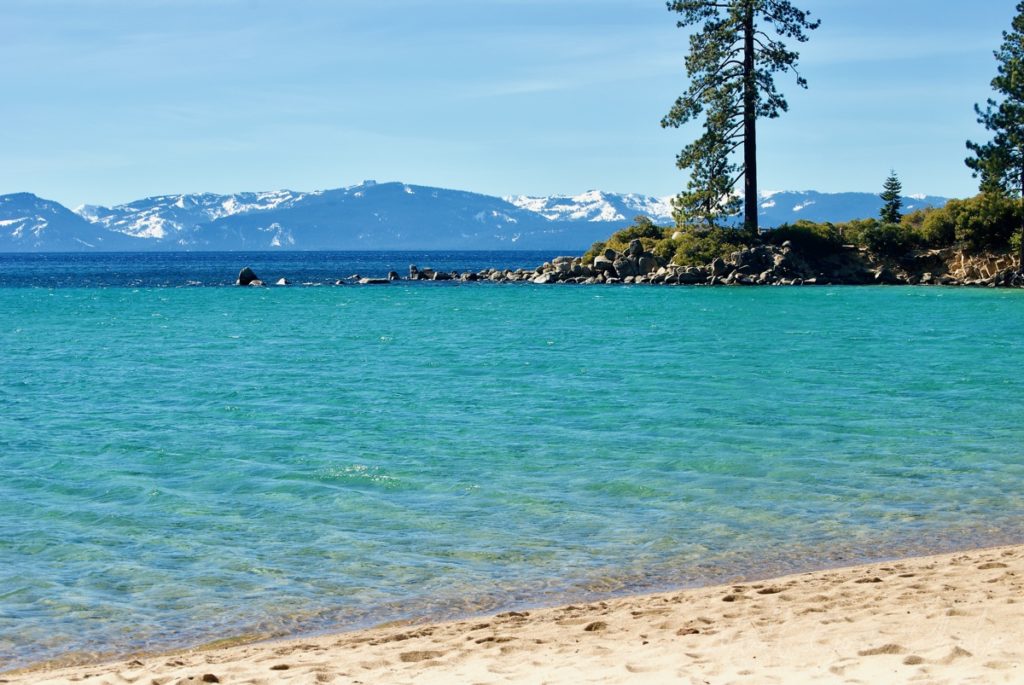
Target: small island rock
x,y
247,276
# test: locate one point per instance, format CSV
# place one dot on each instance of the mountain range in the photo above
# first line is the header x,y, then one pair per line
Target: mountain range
x,y
374,216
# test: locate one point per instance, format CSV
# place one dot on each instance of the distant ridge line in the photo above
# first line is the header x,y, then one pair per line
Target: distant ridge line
x,y
375,216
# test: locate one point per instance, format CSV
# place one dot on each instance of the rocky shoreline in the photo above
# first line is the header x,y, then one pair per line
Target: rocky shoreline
x,y
761,265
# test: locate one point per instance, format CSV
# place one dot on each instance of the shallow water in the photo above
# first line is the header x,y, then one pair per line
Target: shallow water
x,y
180,465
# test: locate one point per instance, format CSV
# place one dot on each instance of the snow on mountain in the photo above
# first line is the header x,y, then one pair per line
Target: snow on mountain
x,y
29,223
173,217
377,216
780,207
595,205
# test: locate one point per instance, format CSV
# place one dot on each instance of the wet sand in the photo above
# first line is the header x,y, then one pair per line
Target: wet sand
x,y
953,618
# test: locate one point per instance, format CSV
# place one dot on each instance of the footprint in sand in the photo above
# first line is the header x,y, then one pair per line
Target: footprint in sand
x,y
884,649
956,653
992,565
419,655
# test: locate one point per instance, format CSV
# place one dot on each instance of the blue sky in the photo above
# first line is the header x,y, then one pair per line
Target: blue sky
x,y
106,101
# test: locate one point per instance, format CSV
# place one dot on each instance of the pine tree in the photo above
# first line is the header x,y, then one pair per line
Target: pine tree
x,y
1000,162
892,196
731,64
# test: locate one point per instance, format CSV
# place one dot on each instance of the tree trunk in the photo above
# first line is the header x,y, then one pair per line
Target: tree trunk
x,y
749,125
1020,255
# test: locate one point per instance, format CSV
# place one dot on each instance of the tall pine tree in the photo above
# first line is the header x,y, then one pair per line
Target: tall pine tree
x,y
733,58
1000,162
892,196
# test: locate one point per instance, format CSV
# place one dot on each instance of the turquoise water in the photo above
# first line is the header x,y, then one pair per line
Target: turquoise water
x,y
181,465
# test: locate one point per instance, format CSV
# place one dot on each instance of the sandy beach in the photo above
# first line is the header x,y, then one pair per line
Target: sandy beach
x,y
954,618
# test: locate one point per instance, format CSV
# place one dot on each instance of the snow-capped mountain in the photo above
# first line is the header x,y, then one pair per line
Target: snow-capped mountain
x,y
595,205
29,223
780,207
174,217
374,216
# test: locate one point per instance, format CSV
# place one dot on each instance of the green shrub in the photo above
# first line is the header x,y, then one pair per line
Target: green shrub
x,y
652,237
808,238
852,232
891,241
700,246
595,250
937,228
985,222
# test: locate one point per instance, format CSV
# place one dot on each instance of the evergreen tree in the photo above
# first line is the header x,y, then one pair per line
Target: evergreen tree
x,y
1000,162
731,64
892,196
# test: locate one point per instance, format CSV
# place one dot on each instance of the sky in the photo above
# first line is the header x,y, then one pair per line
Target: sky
x,y
107,101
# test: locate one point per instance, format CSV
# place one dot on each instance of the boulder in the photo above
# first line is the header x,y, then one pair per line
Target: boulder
x,y
283,281
604,265
256,283
246,276
544,279
884,275
754,260
373,281
718,267
611,255
647,263
414,272
393,276
626,266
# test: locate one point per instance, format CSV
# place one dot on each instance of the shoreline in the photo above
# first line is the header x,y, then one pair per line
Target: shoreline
x,y
953,617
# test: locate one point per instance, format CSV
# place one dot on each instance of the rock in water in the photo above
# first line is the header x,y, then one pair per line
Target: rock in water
x,y
393,276
283,281
247,276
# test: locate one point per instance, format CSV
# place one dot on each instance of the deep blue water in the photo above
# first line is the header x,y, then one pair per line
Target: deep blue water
x,y
180,269
184,464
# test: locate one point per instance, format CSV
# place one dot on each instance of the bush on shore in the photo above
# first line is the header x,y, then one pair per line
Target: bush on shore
x,y
986,222
809,239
